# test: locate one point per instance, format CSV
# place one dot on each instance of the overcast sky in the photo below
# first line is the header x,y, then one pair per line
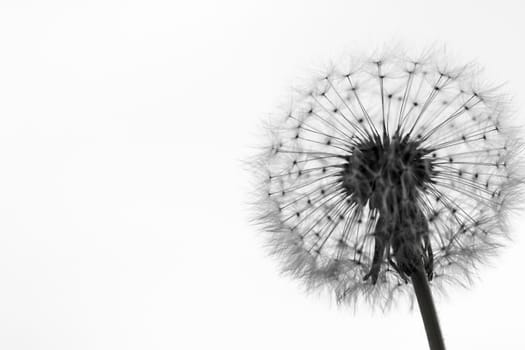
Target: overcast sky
x,y
123,216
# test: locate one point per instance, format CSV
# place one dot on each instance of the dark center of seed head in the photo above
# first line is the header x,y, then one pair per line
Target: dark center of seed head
x,y
387,173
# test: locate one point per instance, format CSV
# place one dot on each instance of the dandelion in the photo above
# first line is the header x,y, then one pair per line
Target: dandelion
x,y
387,177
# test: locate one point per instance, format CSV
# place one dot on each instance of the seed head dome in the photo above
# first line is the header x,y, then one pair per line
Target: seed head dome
x,y
385,164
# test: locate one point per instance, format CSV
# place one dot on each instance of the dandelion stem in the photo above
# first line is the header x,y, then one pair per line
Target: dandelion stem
x,y
427,309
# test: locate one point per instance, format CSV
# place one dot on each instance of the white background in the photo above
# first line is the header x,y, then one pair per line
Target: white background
x,y
123,216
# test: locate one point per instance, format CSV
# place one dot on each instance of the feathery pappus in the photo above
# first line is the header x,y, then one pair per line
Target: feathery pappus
x,y
384,165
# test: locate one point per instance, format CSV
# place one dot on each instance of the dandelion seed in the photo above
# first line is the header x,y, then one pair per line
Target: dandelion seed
x,y
390,172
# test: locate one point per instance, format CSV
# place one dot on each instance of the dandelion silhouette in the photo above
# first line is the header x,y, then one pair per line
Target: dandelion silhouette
x,y
389,174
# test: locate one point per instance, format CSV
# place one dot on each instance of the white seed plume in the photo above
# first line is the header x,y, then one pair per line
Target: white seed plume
x,y
384,163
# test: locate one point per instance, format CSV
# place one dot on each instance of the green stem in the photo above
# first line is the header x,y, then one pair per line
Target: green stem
x,y
427,309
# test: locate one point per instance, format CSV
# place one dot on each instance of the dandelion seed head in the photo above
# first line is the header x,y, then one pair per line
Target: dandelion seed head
x,y
385,164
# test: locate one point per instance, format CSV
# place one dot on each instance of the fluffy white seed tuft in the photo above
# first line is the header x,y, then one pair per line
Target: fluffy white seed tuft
x,y
384,163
